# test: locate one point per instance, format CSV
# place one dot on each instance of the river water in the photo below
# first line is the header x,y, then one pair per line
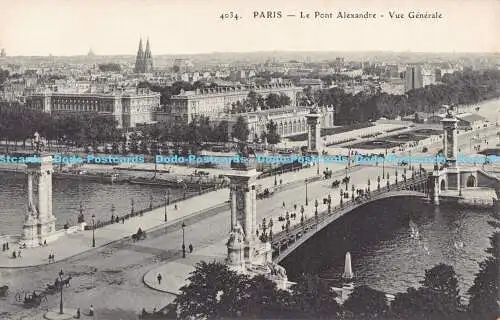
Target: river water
x,y
385,256
67,194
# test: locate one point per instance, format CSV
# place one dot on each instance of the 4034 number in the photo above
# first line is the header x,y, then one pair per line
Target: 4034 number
x,y
230,15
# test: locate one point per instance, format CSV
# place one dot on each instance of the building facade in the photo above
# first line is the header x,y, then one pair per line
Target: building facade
x,y
413,78
128,109
289,121
216,102
144,59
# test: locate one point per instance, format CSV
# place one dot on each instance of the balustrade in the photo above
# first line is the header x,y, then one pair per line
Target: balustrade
x,y
315,221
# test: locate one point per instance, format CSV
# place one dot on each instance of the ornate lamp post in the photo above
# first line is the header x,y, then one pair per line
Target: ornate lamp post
x,y
275,179
341,198
166,200
183,241
61,308
388,185
271,229
396,176
307,200
93,230
378,183
352,189
81,218
345,178
302,213
316,204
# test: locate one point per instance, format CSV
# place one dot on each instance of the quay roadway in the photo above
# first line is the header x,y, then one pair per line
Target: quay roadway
x,y
174,273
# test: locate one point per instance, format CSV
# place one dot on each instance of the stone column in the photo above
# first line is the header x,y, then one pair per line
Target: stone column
x,y
232,198
30,191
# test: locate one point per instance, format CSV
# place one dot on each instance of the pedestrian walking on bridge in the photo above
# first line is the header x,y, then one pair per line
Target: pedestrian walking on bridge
x,y
158,277
191,248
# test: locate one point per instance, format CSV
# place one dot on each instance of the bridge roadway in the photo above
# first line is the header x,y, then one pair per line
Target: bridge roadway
x,y
286,241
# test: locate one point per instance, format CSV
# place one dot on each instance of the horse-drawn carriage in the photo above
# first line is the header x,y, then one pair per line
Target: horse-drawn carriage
x,y
56,287
139,235
32,299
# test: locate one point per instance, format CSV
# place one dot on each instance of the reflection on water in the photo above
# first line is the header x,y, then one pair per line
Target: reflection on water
x,y
384,254
96,199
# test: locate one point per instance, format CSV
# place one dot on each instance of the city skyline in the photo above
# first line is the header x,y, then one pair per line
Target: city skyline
x,y
40,28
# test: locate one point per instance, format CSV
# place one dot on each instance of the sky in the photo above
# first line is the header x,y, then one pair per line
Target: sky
x,y
72,27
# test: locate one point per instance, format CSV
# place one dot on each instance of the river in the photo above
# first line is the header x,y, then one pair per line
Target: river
x,y
67,194
384,256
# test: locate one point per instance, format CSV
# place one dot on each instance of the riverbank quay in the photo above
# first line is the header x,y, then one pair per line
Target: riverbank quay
x,y
72,244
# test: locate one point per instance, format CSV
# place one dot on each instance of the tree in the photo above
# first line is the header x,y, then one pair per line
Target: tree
x,y
272,133
367,303
213,292
483,303
312,299
240,129
438,298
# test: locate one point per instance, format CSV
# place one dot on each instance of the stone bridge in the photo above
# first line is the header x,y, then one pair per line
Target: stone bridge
x,y
287,241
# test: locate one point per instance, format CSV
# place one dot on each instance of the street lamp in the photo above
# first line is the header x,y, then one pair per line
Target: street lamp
x,y
316,205
166,206
183,241
61,308
307,200
93,230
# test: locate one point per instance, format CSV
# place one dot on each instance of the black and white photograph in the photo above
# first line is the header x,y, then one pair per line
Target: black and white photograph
x,y
217,159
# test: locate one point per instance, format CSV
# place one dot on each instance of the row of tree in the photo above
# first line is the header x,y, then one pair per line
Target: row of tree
x,y
18,123
256,101
215,292
466,87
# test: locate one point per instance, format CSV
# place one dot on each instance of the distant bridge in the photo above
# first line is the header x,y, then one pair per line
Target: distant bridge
x,y
285,242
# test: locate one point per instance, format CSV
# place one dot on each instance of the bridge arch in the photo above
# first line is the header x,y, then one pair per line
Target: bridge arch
x,y
284,243
471,181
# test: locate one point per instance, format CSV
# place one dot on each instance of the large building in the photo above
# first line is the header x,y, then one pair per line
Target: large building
x,y
144,59
128,109
215,102
413,78
289,121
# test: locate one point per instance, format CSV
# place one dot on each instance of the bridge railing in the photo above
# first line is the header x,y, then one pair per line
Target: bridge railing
x,y
292,234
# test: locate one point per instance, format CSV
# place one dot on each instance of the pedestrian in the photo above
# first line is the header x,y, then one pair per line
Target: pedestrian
x,y
283,204
53,258
91,311
190,248
44,243
19,253
50,258
158,278
123,220
175,207
77,316
14,254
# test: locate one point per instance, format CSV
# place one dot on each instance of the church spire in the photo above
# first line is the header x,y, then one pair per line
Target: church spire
x,y
147,53
139,60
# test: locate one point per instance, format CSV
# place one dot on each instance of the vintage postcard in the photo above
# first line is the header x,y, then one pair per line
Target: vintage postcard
x,y
320,159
